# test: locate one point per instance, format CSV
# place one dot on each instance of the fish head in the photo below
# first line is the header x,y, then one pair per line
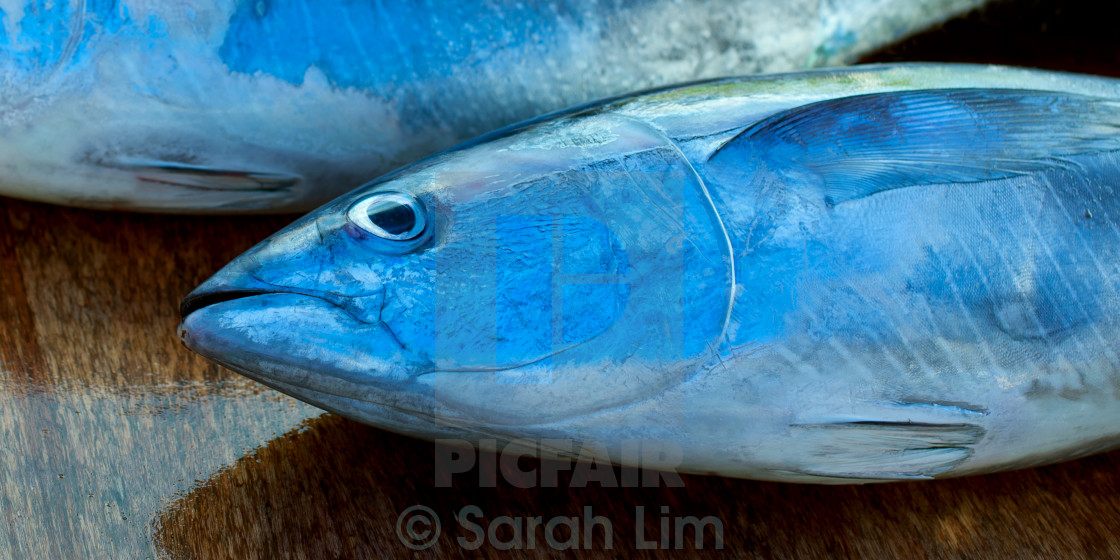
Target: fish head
x,y
524,279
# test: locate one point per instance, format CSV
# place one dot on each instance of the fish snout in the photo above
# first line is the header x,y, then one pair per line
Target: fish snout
x,y
300,260
290,314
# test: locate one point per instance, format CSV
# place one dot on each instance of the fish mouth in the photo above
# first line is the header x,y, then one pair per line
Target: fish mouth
x,y
298,340
194,302
364,308
311,349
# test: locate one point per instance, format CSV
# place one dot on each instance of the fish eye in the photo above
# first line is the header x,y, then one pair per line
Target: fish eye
x,y
390,215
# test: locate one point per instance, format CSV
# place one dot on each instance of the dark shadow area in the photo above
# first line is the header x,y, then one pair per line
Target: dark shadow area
x,y
1067,35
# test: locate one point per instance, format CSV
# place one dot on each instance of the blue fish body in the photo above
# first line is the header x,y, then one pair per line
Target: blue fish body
x,y
882,273
240,106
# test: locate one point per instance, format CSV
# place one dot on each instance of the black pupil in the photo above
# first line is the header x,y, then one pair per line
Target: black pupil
x,y
392,217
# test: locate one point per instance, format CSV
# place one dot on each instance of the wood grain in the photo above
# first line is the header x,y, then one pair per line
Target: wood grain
x,y
334,490
103,415
115,442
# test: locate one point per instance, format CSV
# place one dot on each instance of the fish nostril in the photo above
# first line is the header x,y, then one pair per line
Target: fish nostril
x,y
194,302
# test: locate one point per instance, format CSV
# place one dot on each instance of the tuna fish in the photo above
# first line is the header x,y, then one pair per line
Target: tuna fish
x,y
879,273
259,105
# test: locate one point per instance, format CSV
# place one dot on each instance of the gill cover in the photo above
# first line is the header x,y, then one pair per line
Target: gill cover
x,y
566,283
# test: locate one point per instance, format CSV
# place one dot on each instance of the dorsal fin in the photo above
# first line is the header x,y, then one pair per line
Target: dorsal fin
x,y
206,178
865,144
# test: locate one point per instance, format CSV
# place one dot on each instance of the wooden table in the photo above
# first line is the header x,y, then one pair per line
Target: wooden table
x,y
116,442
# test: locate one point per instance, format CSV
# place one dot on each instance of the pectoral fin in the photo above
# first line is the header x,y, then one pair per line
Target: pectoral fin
x,y
208,178
865,144
883,450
